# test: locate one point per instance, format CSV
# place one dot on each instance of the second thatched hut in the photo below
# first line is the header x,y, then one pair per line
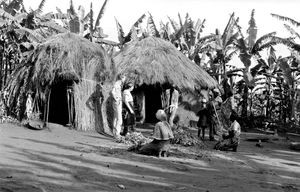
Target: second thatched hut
x,y
154,64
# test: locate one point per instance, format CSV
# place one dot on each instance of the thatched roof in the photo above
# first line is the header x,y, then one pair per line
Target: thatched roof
x,y
153,60
67,55
63,56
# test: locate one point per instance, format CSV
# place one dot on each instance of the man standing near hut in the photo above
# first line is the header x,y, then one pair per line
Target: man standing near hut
x,y
117,105
172,97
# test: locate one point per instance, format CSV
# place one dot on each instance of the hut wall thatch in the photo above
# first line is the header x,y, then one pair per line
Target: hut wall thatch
x,y
65,57
84,117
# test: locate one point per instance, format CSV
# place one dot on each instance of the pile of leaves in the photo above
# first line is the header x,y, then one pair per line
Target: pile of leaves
x,y
136,140
185,138
8,119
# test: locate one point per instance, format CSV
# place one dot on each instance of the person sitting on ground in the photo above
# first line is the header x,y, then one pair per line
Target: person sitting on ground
x,y
232,139
204,121
129,115
162,134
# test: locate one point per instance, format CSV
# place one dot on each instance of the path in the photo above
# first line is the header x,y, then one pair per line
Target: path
x,y
60,159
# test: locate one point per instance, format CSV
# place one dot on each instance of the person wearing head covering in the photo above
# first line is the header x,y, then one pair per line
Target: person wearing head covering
x,y
204,121
231,140
128,106
117,105
162,134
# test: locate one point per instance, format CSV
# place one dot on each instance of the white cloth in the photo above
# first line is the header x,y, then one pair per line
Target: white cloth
x,y
29,107
117,91
127,96
235,126
117,121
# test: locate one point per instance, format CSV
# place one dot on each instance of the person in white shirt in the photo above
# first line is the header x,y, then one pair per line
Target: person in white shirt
x,y
129,115
117,105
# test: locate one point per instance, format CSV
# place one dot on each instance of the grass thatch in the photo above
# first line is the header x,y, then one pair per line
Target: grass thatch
x,y
64,56
153,60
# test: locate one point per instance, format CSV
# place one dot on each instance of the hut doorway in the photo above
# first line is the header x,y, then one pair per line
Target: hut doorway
x,y
152,101
61,100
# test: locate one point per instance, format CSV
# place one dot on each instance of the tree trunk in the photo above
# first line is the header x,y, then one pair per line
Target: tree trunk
x,y
245,102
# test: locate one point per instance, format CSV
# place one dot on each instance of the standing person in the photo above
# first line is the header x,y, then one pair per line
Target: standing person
x,y
129,116
232,139
172,97
94,103
215,110
117,105
29,106
204,121
162,134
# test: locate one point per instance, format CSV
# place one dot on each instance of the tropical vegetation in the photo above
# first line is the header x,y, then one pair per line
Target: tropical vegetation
x,y
267,84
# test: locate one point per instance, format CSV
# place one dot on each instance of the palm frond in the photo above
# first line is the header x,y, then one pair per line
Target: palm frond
x,y
174,25
54,26
91,21
127,38
86,18
101,12
228,29
230,55
265,46
31,34
233,38
252,30
287,74
189,32
71,11
179,32
140,20
287,19
199,28
152,26
291,30
261,41
120,32
206,39
180,20
59,10
39,10
254,70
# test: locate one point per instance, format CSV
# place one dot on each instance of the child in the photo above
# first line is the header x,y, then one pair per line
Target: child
x,y
204,120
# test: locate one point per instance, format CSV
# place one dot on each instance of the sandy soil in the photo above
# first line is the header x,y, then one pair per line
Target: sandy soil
x,y
59,159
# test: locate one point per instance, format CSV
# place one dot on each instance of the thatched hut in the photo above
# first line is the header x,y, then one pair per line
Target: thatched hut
x,y
63,73
153,63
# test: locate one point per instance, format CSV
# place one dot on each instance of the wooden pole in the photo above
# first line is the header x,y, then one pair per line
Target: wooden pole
x,y
48,103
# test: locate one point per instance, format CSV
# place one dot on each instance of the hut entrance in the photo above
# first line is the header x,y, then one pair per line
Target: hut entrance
x,y
152,101
61,106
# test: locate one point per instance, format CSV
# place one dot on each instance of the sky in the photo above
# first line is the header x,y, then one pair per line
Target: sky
x,y
216,13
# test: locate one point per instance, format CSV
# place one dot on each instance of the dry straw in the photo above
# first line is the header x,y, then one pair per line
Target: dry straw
x,y
153,60
63,57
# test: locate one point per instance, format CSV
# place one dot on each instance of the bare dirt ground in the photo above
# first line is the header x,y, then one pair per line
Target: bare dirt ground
x,y
59,159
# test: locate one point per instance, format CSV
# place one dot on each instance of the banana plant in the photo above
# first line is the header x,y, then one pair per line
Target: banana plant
x,y
133,32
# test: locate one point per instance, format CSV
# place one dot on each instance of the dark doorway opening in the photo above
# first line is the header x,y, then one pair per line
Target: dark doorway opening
x,y
152,102
58,106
